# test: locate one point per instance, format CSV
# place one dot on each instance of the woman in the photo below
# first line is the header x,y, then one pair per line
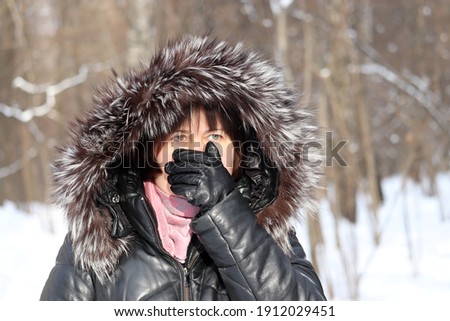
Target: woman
x,y
182,181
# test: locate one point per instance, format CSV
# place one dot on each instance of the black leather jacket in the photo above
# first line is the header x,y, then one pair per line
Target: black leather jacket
x,y
230,257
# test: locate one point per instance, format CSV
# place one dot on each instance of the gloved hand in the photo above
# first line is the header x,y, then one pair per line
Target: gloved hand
x,y
199,176
260,178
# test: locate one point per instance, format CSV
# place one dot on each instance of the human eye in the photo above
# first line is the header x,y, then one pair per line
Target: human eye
x,y
179,138
215,137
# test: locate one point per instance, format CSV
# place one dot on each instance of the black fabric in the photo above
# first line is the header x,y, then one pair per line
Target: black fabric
x,y
224,260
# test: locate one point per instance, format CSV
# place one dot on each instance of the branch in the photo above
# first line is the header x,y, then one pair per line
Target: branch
x,y
17,165
423,97
410,85
50,91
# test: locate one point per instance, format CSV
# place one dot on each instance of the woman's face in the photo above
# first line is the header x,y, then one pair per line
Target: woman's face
x,y
194,134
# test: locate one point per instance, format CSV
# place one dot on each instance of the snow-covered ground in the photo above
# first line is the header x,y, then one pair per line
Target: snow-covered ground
x,y
412,260
28,248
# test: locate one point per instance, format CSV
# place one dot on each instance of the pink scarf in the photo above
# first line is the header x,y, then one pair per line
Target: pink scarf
x,y
174,215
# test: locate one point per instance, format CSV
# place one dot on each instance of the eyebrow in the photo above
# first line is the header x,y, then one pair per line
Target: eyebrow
x,y
184,131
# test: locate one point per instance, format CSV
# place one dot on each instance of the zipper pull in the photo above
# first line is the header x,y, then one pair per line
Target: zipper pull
x,y
187,278
187,284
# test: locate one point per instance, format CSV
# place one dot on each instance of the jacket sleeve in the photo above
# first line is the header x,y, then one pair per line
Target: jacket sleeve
x,y
66,282
252,265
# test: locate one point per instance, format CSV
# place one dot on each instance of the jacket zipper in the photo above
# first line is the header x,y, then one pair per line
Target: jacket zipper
x,y
187,268
187,284
183,268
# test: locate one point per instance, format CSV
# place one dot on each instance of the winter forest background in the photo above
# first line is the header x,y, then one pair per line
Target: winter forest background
x,y
377,71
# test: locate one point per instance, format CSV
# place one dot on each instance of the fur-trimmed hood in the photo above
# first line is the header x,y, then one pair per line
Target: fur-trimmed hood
x,y
149,102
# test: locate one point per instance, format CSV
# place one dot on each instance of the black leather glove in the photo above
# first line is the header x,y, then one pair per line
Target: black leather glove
x,y
199,176
260,178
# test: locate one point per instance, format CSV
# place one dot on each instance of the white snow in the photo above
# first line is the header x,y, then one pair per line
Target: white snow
x,y
28,248
411,262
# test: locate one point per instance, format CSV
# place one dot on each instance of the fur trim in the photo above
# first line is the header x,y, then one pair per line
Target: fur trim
x,y
148,102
